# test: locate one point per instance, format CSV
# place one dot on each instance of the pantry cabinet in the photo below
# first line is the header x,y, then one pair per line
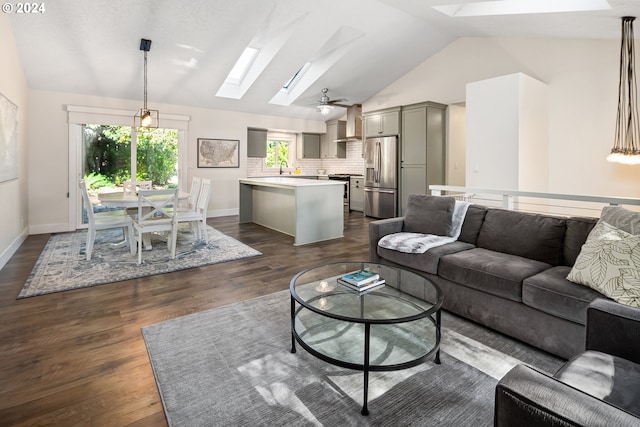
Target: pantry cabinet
x,y
422,149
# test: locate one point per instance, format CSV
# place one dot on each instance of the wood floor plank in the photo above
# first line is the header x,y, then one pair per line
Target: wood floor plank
x,y
78,358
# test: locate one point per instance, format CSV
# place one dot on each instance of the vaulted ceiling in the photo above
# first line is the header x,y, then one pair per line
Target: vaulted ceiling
x,y
355,47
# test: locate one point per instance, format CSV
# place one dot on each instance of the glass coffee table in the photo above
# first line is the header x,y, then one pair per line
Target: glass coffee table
x,y
382,329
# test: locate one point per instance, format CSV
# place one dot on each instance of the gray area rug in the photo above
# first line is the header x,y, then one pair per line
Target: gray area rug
x,y
231,366
62,265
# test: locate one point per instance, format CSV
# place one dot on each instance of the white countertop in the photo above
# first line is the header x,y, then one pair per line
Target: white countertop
x,y
281,181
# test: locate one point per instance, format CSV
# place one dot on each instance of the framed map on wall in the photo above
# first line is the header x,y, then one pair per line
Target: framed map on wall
x,y
8,140
218,153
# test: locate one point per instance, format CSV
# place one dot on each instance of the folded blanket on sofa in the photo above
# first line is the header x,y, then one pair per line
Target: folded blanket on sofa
x,y
418,243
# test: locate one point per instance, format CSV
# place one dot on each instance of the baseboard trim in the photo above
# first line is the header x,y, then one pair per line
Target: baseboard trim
x,y
49,228
13,247
223,212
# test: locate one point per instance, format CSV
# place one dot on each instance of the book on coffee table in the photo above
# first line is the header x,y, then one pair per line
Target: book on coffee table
x,y
360,277
366,287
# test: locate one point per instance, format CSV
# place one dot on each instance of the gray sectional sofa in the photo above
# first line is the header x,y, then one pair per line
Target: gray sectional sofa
x,y
506,270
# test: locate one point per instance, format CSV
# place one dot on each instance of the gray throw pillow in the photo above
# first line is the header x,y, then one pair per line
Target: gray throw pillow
x,y
429,214
621,218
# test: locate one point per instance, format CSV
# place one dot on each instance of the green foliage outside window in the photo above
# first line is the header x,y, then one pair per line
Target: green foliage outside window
x,y
157,155
277,154
108,153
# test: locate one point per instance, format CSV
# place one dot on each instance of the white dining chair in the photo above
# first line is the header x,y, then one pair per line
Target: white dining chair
x,y
105,221
156,213
196,183
132,187
198,216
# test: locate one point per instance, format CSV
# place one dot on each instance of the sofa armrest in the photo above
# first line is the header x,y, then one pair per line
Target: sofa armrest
x,y
526,397
614,329
379,229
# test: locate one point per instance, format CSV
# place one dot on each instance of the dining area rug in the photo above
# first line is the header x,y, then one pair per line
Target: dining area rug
x,y
62,265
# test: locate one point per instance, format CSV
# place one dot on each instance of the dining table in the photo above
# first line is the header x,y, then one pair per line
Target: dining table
x,y
128,201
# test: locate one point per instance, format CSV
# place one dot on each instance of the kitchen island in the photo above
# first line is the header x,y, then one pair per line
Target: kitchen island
x,y
310,210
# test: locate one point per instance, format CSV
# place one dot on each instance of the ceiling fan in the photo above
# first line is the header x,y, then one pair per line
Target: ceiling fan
x,y
325,104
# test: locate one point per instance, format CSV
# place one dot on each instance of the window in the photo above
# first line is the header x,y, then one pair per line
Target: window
x,y
240,69
111,155
279,151
295,78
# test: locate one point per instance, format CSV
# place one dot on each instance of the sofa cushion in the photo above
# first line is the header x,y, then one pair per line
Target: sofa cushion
x,y
609,262
621,218
537,237
550,292
429,214
472,223
575,236
427,261
492,272
605,377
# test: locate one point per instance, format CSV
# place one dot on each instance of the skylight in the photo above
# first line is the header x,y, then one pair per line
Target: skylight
x,y
518,7
295,78
242,65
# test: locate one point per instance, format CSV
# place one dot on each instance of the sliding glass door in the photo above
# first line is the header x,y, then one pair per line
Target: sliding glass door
x,y
112,155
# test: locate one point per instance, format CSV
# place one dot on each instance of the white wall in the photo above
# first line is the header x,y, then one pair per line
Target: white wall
x,y
48,146
582,80
492,133
456,145
13,194
507,135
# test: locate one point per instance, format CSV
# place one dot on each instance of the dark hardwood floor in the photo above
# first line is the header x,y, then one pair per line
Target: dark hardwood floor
x,y
77,358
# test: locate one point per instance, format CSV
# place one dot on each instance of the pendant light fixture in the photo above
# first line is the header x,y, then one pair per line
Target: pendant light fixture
x,y
626,149
145,118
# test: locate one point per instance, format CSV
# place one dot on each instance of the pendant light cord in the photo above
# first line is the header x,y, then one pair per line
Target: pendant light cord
x,y
145,81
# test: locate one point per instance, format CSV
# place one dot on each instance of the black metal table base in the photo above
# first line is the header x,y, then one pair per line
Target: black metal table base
x,y
367,341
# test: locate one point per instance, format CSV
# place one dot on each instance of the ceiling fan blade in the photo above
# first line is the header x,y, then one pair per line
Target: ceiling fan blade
x,y
333,101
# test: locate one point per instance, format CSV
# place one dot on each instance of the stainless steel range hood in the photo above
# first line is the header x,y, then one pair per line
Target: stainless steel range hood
x,y
354,124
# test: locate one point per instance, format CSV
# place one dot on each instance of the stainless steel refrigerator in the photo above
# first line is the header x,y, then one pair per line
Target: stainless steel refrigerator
x,y
381,177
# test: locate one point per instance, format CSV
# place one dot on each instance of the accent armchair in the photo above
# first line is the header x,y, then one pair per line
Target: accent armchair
x,y
599,387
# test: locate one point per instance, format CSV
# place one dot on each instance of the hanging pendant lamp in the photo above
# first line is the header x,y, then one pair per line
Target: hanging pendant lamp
x,y
626,149
145,118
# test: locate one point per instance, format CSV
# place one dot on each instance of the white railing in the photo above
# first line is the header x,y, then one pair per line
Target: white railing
x,y
529,201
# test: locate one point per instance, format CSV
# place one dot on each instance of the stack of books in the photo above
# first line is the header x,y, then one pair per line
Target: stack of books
x,y
361,280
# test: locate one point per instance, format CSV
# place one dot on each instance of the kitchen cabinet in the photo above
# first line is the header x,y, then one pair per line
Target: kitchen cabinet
x,y
356,193
329,148
256,142
382,122
422,149
309,147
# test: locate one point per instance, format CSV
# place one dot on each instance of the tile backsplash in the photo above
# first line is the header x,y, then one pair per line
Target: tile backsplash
x,y
354,163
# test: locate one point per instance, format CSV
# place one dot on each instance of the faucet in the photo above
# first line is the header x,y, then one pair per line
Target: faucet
x,y
285,164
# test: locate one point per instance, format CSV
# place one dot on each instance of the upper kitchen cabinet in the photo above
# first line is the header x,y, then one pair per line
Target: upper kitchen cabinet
x,y
330,147
256,142
422,149
309,147
382,122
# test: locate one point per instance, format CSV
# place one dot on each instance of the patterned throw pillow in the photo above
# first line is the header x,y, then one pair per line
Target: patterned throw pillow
x,y
609,262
